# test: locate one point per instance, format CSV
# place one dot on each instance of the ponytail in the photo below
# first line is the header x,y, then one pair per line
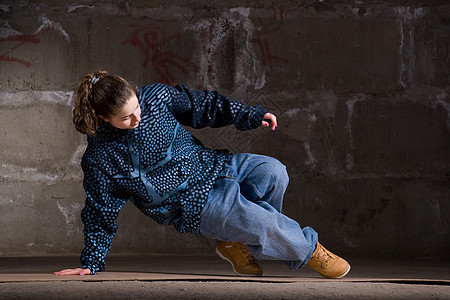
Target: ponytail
x,y
99,94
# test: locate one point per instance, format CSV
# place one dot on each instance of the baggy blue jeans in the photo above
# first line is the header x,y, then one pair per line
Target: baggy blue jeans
x,y
245,206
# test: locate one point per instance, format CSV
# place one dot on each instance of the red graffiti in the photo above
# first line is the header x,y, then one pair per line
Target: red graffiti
x,y
261,37
22,39
152,43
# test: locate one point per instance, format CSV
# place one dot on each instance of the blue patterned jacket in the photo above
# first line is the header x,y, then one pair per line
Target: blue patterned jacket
x,y
159,166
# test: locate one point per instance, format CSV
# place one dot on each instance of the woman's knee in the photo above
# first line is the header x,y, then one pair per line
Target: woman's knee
x,y
278,171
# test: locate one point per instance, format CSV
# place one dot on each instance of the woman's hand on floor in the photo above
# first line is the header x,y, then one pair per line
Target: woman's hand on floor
x,y
78,271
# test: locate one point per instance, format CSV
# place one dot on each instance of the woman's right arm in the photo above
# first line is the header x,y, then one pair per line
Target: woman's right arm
x,y
99,217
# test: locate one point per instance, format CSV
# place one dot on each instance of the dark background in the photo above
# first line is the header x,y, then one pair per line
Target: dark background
x,y
361,91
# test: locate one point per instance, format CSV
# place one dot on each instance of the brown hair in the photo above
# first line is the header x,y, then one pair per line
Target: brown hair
x,y
99,94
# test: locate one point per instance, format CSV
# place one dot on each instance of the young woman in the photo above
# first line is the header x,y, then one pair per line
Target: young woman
x,y
138,151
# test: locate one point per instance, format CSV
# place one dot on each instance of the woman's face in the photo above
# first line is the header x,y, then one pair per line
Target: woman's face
x,y
128,117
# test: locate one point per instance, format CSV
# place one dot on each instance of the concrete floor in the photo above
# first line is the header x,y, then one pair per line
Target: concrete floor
x,y
208,277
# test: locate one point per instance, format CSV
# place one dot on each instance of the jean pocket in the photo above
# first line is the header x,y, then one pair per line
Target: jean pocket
x,y
227,173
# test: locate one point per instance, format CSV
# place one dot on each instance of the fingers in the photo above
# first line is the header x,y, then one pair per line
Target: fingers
x,y
270,120
68,272
78,271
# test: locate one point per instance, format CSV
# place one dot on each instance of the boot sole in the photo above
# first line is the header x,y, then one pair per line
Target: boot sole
x,y
240,274
343,275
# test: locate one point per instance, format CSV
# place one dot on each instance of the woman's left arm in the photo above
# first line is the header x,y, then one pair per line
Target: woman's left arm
x,y
199,109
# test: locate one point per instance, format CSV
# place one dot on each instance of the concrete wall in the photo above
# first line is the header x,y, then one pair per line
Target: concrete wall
x,y
361,90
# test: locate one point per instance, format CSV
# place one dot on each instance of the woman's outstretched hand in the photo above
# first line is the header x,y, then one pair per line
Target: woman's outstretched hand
x,y
270,120
78,271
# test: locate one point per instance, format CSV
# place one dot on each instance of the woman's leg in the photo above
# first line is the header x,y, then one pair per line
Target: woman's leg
x,y
257,222
262,178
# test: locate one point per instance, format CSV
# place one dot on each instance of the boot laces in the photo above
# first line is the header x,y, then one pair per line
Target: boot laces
x,y
247,254
323,256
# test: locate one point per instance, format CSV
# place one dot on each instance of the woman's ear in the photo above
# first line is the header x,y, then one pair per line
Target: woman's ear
x,y
103,118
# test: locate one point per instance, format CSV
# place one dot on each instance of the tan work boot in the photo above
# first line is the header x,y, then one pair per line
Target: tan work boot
x,y
243,262
327,263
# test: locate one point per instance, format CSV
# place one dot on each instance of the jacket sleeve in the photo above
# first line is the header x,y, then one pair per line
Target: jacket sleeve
x,y
199,109
100,219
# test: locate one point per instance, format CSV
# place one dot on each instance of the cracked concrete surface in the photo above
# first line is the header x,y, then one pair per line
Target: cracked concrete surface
x,y
209,277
